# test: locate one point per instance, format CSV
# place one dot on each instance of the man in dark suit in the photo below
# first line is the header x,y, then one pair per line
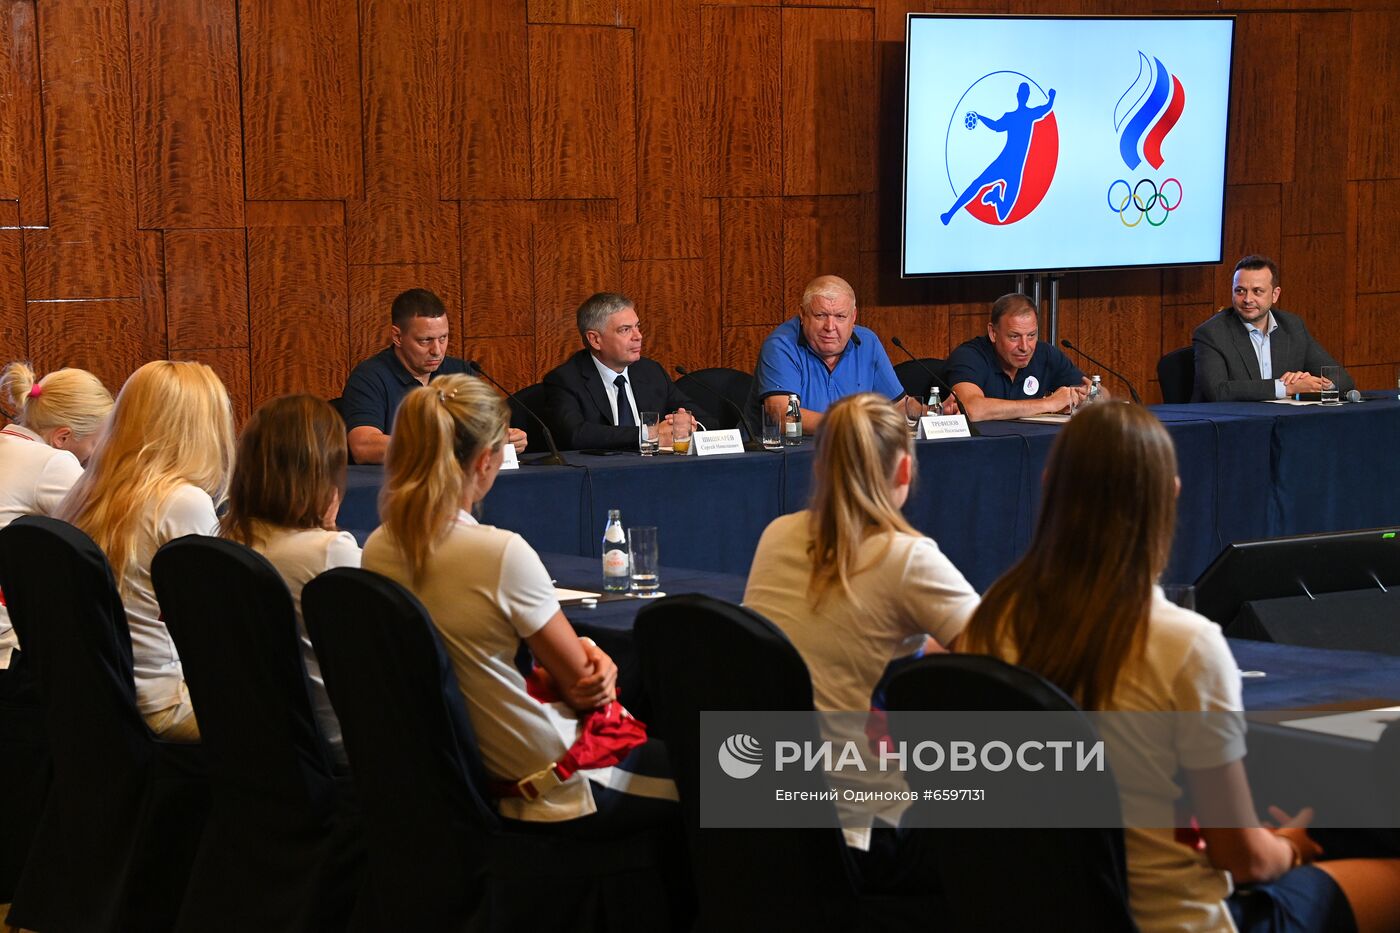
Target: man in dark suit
x,y
1252,351
597,396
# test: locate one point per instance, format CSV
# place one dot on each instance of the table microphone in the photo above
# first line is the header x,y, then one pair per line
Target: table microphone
x,y
1131,391
1354,395
749,442
971,428
553,458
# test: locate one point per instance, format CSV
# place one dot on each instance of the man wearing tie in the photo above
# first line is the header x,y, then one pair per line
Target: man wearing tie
x,y
1252,351
598,394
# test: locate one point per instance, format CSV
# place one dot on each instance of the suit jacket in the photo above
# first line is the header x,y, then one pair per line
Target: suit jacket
x,y
579,409
1227,369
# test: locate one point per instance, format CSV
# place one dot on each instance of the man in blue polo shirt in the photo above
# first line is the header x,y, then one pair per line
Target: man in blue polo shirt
x,y
822,356
1009,373
416,355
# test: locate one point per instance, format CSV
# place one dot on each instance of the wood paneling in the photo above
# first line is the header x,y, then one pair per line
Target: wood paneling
x,y
61,334
821,236
740,346
511,361
828,93
403,230
678,325
577,12
751,261
1312,269
1383,376
1373,124
1376,317
575,258
498,286
1312,204
301,99
154,329
14,338
89,250
1110,315
1378,246
1178,323
206,288
234,370
1260,133
298,319
184,90
20,31
485,78
742,60
11,119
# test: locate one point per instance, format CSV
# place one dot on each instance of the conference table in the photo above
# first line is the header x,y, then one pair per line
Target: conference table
x,y
1248,470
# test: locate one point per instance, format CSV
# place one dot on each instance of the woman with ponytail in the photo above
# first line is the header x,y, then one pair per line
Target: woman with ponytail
x,y
487,591
54,424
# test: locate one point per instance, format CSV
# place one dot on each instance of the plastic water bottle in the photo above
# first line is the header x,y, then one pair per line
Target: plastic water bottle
x,y
617,575
792,423
1095,390
935,401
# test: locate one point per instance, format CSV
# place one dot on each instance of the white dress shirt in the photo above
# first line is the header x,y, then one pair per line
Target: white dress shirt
x,y
1265,354
608,375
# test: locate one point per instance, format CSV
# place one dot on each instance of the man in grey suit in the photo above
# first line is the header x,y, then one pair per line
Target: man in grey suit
x,y
1252,351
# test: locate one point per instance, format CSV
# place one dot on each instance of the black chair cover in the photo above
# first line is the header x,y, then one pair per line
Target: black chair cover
x,y
1047,880
1176,374
539,398
916,379
279,851
439,858
24,774
123,814
731,384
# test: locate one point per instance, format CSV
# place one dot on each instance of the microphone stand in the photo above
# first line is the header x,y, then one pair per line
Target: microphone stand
x,y
1124,379
553,458
971,427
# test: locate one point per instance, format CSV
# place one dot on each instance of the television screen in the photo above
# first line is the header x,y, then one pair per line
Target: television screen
x,y
1050,144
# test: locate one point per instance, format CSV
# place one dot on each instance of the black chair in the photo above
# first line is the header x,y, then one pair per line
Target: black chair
x,y
720,383
540,399
916,379
700,653
1062,879
124,812
439,856
338,403
1176,374
24,775
280,849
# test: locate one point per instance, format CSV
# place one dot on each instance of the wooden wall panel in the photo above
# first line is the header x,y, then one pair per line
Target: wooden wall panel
x,y
1105,316
742,60
1312,204
1376,317
235,371
185,104
511,361
1377,269
751,261
828,93
574,259
1178,323
372,293
1259,151
485,129
581,142
155,327
301,99
1373,137
90,249
11,118
207,288
678,326
821,236
498,284
298,315
577,12
1312,268
1382,376
14,336
20,32
740,345
61,333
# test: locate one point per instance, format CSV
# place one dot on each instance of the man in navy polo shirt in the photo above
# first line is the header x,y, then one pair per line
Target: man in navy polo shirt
x,y
416,355
1009,373
822,356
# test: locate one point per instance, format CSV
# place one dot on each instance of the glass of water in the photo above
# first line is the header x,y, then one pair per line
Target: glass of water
x,y
641,548
772,430
649,432
1331,394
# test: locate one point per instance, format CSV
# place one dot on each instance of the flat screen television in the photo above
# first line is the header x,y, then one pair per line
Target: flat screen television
x,y
1045,144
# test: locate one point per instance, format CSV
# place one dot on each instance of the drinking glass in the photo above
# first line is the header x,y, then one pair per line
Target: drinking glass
x,y
641,548
680,434
1333,395
649,432
772,430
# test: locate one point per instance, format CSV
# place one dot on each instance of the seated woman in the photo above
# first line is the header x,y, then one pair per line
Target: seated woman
x,y
162,465
849,580
486,591
55,421
1082,609
288,480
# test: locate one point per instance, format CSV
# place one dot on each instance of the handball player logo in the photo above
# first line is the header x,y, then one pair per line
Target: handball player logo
x,y
1001,148
740,756
1143,117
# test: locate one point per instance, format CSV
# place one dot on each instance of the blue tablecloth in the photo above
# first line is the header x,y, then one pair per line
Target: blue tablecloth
x,y
1248,470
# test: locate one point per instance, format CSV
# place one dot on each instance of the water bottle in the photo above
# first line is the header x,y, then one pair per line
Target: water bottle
x,y
1095,390
792,423
935,401
617,575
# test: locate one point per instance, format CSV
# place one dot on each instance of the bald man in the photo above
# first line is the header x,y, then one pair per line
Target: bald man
x,y
821,356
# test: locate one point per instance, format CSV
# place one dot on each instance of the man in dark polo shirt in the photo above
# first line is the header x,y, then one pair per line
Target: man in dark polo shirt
x,y
1009,373
416,355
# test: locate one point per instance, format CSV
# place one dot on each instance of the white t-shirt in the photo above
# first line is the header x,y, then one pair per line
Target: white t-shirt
x,y
1186,666
34,478
301,554
188,510
486,590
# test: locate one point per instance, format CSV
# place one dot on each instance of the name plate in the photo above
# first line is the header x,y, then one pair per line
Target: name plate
x,y
938,427
509,461
709,443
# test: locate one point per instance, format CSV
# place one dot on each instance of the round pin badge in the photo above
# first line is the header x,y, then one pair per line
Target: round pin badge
x,y
1031,386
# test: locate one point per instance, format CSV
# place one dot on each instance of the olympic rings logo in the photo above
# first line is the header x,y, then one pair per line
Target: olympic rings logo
x,y
1135,202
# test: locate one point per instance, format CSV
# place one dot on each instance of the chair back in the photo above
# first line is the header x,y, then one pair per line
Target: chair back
x,y
540,399
410,745
700,653
719,383
1176,374
271,826
915,378
1064,879
81,870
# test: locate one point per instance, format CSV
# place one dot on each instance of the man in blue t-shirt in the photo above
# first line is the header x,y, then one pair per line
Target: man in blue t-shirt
x,y
821,356
1009,373
417,353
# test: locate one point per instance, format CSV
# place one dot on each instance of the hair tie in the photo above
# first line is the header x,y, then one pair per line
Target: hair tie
x,y
444,396
36,390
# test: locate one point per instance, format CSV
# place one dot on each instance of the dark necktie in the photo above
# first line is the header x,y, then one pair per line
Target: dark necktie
x,y
624,411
